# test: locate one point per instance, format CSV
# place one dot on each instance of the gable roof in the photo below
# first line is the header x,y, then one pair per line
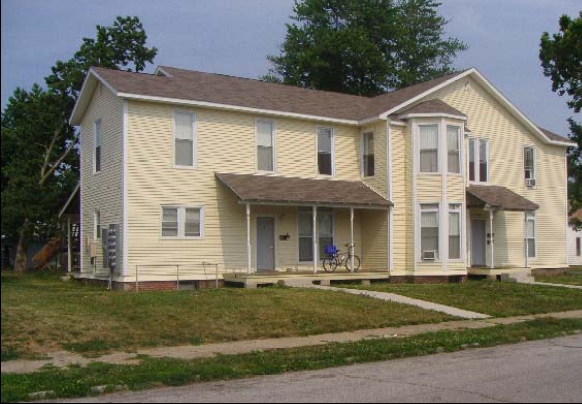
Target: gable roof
x,y
190,87
435,106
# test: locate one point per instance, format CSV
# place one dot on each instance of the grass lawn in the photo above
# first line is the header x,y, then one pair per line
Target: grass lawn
x,y
493,298
572,277
78,382
42,314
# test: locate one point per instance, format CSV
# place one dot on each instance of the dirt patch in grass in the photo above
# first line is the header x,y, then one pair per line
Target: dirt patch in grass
x,y
493,298
42,314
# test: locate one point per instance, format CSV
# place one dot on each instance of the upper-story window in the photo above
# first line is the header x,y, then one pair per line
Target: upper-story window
x,y
429,148
184,139
478,160
97,147
265,146
529,165
325,151
368,154
454,149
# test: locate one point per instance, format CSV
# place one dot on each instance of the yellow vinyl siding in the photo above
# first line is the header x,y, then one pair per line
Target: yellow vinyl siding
x,y
102,191
490,120
226,143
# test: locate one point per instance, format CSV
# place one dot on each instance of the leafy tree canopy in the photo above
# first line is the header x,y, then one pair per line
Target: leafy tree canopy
x,y
561,57
364,47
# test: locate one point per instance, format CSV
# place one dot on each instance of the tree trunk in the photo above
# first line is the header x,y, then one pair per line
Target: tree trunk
x,y
21,259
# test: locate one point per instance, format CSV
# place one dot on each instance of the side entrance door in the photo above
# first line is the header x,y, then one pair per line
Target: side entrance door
x,y
478,257
265,243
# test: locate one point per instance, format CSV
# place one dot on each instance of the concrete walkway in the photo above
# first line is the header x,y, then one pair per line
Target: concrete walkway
x,y
558,285
64,358
391,297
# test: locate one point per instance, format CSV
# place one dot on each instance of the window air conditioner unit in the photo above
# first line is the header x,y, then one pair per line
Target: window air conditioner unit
x,y
429,255
530,182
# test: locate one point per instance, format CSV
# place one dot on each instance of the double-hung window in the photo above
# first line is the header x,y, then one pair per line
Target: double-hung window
x,y
325,230
478,160
530,234
97,147
184,139
182,222
429,232
455,231
454,149
368,155
97,225
429,148
325,151
265,143
529,165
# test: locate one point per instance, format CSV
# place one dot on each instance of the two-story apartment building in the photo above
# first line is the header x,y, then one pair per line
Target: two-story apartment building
x,y
204,175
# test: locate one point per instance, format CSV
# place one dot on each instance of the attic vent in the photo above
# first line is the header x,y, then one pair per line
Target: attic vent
x,y
467,86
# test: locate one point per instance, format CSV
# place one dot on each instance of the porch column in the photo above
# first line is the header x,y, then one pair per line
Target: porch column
x,y
352,235
315,241
525,242
69,247
249,264
491,239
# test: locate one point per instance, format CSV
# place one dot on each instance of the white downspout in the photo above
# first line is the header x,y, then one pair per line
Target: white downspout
x,y
249,263
315,240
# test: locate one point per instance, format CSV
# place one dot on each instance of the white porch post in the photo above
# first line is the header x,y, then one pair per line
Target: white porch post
x,y
525,240
491,239
249,264
352,236
69,247
315,241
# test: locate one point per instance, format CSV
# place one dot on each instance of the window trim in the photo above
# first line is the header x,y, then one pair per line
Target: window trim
x,y
317,173
476,141
194,165
362,155
274,136
438,149
460,154
535,162
310,212
97,224
436,210
459,210
96,123
578,246
182,222
531,216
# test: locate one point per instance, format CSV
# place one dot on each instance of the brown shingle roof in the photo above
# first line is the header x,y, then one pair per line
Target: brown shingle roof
x,y
555,137
228,90
498,198
299,191
432,107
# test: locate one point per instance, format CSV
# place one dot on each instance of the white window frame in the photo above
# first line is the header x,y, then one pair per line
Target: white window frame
x,y
438,150
456,208
332,131
531,216
194,141
460,153
475,142
309,212
362,147
437,210
274,142
182,222
534,168
97,130
97,224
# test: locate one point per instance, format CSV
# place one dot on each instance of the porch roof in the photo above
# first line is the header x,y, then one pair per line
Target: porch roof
x,y
498,198
265,189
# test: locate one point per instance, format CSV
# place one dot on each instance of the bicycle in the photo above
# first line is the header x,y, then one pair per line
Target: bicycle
x,y
335,258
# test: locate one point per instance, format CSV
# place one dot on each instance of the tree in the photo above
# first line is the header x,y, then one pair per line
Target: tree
x,y
39,147
363,47
561,57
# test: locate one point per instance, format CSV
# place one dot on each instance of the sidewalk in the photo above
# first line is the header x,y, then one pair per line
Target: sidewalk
x,y
64,358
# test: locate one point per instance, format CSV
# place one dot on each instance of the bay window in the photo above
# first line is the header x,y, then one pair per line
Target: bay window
x,y
454,149
429,148
429,231
455,231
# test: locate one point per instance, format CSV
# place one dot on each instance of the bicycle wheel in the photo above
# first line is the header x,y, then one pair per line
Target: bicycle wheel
x,y
357,264
330,264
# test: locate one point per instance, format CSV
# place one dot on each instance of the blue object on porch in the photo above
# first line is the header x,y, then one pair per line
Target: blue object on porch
x,y
331,250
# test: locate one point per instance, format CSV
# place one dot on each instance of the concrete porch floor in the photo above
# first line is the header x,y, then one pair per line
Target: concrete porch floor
x,y
300,279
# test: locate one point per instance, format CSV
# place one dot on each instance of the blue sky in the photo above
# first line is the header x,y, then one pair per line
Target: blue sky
x,y
234,36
